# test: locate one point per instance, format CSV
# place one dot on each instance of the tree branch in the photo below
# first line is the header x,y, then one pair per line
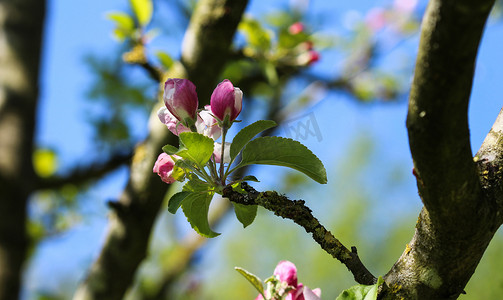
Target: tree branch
x,y
21,27
298,212
490,162
458,219
81,174
437,119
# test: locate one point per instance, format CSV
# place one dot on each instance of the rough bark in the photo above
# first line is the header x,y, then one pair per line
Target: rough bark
x,y
297,211
459,217
21,25
490,163
208,38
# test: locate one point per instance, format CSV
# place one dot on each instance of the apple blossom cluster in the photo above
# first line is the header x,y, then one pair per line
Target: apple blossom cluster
x,y
181,114
286,286
206,161
307,54
283,285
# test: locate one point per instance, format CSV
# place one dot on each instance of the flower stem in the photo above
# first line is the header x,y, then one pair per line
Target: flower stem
x,y
213,169
224,133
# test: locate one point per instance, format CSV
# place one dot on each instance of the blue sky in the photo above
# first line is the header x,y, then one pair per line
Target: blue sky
x,y
76,28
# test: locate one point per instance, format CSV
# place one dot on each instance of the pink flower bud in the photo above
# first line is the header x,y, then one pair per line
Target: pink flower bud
x,y
308,45
287,272
164,167
296,28
226,101
307,58
314,56
180,98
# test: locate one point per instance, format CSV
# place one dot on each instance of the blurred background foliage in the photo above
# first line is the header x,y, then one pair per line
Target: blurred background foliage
x,y
284,72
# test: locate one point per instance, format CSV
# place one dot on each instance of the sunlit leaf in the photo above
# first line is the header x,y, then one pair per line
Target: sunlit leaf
x,y
361,292
285,152
257,36
195,184
124,24
45,162
246,134
253,279
164,58
143,11
195,147
169,149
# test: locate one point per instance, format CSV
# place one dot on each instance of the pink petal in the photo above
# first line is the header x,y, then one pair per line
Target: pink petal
x,y
287,272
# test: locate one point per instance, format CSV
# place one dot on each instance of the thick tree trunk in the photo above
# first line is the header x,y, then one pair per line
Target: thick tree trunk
x,y
21,24
208,38
460,214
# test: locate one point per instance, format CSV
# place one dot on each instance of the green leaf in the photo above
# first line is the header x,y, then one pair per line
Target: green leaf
x,y
124,24
361,292
246,134
183,168
253,279
250,178
196,147
195,207
165,59
45,162
195,185
256,35
143,11
245,213
270,73
169,149
176,200
272,150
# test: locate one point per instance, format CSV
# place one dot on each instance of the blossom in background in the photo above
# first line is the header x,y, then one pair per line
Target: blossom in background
x,y
405,6
296,28
164,167
376,19
307,58
180,98
226,102
286,273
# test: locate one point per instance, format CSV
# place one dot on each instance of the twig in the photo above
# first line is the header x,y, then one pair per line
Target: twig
x,y
154,72
298,212
83,174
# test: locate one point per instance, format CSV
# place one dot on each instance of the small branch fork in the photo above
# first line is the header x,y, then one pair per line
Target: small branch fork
x,y
298,212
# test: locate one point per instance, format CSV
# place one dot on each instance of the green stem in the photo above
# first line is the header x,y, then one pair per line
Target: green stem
x,y
199,171
213,168
224,133
208,178
227,172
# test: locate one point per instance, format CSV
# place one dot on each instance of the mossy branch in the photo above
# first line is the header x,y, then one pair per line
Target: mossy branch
x,y
297,211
